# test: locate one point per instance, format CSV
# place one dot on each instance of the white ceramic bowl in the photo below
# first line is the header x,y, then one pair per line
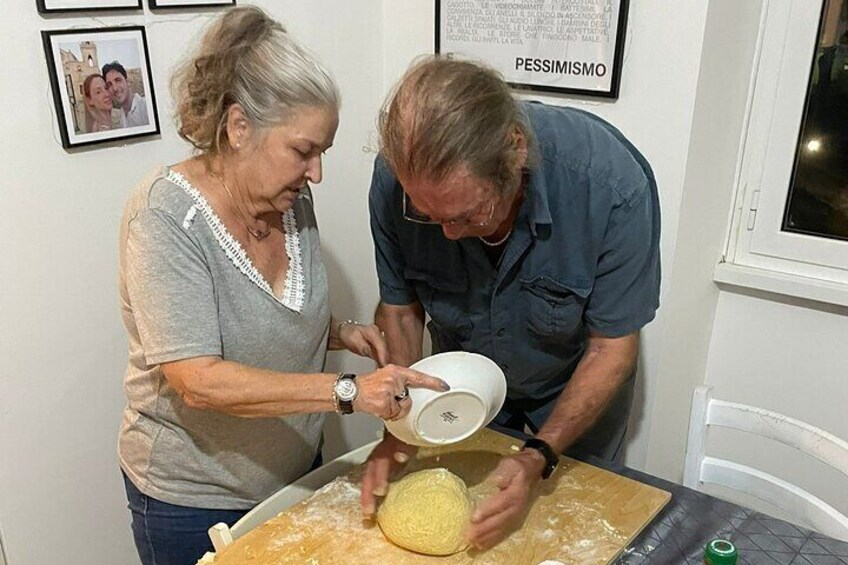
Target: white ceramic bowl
x,y
478,390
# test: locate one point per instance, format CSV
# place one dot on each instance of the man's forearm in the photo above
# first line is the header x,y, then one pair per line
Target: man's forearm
x,y
604,367
403,327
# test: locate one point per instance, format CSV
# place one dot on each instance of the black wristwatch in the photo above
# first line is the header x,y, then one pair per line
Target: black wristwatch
x,y
551,458
344,393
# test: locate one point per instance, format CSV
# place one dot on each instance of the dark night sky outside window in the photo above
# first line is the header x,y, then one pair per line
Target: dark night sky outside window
x,y
817,203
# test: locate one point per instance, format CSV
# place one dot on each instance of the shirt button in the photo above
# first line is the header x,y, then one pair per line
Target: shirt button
x,y
501,332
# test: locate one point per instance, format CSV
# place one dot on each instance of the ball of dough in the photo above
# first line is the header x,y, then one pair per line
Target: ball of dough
x,y
427,512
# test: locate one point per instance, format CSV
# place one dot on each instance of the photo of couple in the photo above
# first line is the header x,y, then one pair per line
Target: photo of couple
x,y
104,97
111,102
102,84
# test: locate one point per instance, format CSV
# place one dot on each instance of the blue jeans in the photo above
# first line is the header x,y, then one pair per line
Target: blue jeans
x,y
168,534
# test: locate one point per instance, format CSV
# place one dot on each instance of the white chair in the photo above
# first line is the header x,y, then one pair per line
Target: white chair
x,y
806,509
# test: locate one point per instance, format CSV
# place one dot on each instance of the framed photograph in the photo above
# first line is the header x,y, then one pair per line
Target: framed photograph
x,y
101,82
547,45
59,6
155,4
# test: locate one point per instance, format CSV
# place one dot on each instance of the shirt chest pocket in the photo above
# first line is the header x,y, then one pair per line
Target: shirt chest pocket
x,y
553,309
445,299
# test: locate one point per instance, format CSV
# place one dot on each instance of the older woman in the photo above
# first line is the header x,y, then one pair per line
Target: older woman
x,y
224,296
98,104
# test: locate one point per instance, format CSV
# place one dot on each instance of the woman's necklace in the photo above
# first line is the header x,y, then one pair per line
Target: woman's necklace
x,y
501,241
257,233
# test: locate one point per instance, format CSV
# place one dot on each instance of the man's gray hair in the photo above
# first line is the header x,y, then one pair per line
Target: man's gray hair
x,y
447,113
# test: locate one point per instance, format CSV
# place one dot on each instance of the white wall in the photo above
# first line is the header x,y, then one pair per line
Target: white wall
x,y
689,306
62,346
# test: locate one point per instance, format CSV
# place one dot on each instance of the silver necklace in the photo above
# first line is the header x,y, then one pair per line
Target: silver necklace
x,y
258,234
501,241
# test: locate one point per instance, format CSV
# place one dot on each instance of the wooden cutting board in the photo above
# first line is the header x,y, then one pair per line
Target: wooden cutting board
x,y
582,514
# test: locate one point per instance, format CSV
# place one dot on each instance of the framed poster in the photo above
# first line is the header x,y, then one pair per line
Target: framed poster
x,y
60,6
101,83
155,4
569,46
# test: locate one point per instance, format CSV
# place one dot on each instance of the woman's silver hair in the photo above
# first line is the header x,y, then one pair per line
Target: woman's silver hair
x,y
246,58
447,113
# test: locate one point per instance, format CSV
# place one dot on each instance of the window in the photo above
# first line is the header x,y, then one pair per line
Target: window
x,y
792,206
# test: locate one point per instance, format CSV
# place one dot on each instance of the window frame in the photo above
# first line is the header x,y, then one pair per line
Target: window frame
x,y
783,63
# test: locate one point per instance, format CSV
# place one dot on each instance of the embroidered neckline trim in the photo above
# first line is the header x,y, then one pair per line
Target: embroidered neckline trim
x,y
294,290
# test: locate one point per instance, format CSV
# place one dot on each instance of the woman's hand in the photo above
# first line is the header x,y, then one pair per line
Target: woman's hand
x,y
385,392
389,457
364,339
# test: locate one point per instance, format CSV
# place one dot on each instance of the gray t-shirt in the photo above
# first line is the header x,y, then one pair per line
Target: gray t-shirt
x,y
188,289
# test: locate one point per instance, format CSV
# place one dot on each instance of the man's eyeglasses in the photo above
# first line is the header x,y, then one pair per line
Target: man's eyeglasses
x,y
413,215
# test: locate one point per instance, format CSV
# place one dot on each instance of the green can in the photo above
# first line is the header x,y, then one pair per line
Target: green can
x,y
720,552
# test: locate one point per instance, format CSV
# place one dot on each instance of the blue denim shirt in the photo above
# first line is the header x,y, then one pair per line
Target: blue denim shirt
x,y
584,254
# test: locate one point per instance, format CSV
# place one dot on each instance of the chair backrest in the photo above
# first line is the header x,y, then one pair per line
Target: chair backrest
x,y
804,507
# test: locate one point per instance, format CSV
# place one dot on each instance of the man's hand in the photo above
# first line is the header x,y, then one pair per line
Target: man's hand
x,y
389,457
501,513
366,340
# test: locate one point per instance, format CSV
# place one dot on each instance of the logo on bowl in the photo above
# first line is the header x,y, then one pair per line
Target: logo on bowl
x,y
449,417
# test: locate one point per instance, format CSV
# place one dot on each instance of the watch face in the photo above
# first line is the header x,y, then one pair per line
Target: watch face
x,y
346,390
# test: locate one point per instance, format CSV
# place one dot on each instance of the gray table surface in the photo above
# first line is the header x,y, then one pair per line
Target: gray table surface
x,y
678,534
